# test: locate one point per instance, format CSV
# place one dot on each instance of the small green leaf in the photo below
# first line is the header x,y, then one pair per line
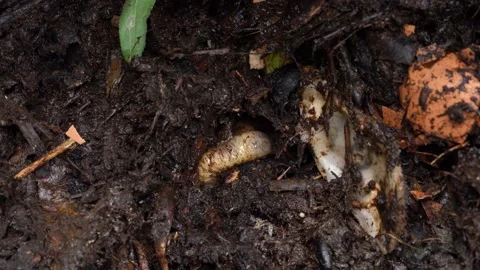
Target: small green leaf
x,y
133,27
274,61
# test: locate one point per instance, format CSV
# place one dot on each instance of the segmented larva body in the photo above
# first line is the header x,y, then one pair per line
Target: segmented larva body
x,y
245,147
371,159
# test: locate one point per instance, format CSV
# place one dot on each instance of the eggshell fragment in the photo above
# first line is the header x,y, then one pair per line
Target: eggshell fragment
x,y
255,57
255,60
408,29
430,53
72,133
441,97
392,118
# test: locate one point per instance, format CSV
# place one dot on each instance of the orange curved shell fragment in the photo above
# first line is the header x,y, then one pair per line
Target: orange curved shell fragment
x,y
441,98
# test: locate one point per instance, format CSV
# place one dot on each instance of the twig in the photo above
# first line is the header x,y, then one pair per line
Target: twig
x,y
241,78
153,125
476,13
314,11
88,176
348,145
15,12
84,106
400,241
456,147
115,111
345,39
73,140
64,146
428,239
426,154
70,101
221,51
283,174
162,223
293,184
448,174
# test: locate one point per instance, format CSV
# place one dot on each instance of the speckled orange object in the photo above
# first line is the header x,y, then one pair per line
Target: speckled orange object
x,y
441,97
392,118
408,29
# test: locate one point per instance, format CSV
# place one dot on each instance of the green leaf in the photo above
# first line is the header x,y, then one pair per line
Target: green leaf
x,y
274,61
133,27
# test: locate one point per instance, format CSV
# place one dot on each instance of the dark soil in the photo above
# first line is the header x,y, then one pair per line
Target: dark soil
x,y
80,210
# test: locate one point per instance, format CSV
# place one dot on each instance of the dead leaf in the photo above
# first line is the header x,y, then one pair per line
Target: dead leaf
x,y
432,209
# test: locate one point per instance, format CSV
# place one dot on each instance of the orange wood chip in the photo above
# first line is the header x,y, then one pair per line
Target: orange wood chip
x,y
72,133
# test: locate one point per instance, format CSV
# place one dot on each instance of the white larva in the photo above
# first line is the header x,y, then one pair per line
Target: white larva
x,y
328,149
245,147
329,154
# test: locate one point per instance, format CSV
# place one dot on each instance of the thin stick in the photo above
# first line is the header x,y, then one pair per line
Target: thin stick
x,y
293,184
284,172
426,154
348,145
428,239
401,241
68,144
84,106
456,147
212,52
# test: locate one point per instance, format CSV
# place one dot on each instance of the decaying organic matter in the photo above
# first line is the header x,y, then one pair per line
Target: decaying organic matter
x,y
193,83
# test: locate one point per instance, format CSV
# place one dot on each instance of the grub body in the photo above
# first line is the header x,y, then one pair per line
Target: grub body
x,y
241,148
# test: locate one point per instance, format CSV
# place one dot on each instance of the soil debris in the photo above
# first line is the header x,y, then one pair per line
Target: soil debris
x,y
132,192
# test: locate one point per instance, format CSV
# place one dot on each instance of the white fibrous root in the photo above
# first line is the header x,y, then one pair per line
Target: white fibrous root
x,y
370,158
241,148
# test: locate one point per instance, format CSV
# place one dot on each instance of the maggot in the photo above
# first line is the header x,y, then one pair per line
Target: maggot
x,y
241,148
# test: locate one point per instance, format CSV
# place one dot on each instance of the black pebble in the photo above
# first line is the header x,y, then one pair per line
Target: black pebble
x,y
287,80
324,256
